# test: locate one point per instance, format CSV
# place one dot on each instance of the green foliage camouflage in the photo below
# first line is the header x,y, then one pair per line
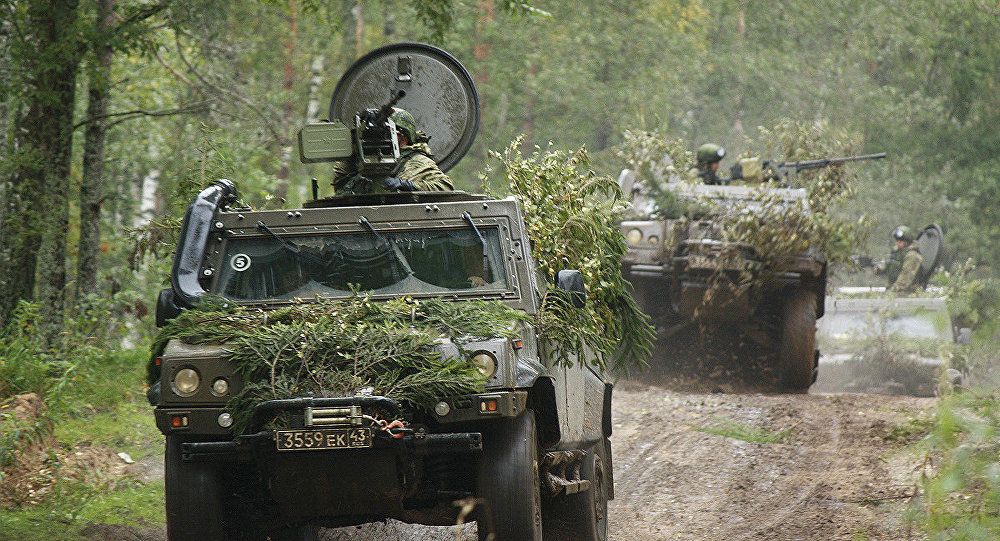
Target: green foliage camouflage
x,y
341,347
974,301
961,478
571,213
655,159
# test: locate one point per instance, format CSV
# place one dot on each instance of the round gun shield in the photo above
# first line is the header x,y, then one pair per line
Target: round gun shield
x,y
930,241
440,94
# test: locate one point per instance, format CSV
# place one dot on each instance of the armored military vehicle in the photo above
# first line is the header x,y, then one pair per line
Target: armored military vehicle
x,y
685,274
531,453
874,340
878,342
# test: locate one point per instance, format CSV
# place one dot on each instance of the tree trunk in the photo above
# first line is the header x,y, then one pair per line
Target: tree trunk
x,y
389,22
359,29
52,91
5,82
19,233
354,24
316,69
92,185
149,187
288,85
6,105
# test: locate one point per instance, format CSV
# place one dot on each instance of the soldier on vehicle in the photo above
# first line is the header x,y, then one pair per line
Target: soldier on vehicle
x,y
415,171
709,155
903,264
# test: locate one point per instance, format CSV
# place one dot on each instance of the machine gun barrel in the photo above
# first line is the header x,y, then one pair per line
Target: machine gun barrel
x,y
825,162
386,110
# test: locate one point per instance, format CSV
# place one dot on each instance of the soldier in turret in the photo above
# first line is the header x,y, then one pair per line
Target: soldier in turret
x,y
415,171
903,264
709,155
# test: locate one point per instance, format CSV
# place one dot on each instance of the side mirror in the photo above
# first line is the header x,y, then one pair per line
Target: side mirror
x,y
166,308
571,281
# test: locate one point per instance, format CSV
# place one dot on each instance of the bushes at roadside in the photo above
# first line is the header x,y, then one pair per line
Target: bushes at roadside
x,y
87,373
961,494
75,373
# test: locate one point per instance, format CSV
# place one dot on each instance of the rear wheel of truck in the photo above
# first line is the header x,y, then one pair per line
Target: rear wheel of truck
x,y
194,496
508,481
797,351
583,516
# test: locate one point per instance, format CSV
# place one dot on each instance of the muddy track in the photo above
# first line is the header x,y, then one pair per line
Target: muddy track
x,y
833,477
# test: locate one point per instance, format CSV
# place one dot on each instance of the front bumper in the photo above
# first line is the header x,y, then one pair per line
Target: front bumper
x,y
210,439
410,473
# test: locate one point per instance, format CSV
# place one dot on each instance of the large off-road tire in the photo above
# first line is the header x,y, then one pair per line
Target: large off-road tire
x,y
583,516
194,496
508,481
797,351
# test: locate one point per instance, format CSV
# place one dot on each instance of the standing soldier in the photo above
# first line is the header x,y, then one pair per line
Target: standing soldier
x,y
709,155
903,264
415,171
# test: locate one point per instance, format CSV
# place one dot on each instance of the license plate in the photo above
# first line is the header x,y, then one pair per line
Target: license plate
x,y
327,438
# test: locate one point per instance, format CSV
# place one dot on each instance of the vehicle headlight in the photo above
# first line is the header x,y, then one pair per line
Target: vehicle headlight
x,y
186,381
634,236
220,386
485,363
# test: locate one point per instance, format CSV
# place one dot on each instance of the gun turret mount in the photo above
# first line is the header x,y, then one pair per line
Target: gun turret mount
x,y
439,93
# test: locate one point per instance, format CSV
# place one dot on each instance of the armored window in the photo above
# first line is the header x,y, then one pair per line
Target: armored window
x,y
411,262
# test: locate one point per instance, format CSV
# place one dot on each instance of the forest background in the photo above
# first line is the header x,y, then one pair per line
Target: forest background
x,y
113,113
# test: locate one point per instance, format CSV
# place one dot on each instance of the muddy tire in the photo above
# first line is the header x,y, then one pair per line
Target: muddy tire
x,y
583,516
797,350
194,496
509,483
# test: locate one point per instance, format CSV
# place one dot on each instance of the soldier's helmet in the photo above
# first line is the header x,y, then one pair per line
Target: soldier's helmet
x,y
903,233
405,122
710,153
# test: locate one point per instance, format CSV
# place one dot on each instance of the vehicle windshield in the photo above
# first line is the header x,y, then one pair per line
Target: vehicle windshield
x,y
412,262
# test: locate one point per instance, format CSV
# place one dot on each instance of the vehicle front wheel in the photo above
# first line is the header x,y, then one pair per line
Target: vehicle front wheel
x,y
584,515
509,483
797,352
194,496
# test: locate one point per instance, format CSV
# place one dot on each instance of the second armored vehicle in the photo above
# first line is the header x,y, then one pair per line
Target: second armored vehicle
x,y
685,273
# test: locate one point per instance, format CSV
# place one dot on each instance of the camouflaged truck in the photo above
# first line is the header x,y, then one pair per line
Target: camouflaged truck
x,y
532,451
672,263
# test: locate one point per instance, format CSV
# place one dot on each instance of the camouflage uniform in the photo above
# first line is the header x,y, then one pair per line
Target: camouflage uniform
x,y
417,166
905,265
706,175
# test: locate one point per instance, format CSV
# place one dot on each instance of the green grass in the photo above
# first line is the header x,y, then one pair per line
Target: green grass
x,y
126,427
77,506
912,430
100,403
748,433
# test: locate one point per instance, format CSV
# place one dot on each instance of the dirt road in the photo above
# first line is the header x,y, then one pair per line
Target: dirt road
x,y
833,475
